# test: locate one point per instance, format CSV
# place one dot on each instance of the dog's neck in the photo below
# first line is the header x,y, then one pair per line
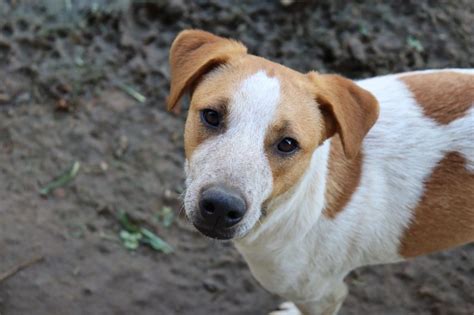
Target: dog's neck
x,y
324,190
303,216
342,179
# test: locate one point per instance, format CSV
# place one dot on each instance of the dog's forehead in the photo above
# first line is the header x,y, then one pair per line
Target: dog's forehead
x,y
256,99
254,88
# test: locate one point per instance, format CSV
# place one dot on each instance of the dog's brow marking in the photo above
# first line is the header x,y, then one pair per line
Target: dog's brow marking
x,y
254,105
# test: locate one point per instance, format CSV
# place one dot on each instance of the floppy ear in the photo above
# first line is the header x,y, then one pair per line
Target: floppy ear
x,y
192,54
348,109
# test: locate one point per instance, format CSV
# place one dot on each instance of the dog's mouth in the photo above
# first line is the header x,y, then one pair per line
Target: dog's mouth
x,y
214,233
231,233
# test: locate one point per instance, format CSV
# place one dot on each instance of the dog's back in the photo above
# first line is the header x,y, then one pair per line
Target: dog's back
x,y
418,168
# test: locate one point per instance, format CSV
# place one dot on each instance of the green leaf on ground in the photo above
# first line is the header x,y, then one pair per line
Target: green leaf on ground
x,y
132,235
415,43
165,216
130,240
62,179
126,223
156,242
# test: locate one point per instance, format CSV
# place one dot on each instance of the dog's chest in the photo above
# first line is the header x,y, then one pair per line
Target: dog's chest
x,y
279,272
293,271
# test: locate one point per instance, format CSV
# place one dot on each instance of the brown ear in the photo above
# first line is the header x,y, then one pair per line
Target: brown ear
x,y
192,54
348,109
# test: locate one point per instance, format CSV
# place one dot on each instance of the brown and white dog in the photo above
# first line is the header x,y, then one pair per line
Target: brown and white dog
x,y
313,175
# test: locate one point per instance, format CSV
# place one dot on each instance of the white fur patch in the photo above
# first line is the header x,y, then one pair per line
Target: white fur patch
x,y
237,157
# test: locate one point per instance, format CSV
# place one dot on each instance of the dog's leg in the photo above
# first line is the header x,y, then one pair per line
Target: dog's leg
x,y
328,305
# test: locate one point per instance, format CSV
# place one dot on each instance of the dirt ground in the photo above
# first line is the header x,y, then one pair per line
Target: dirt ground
x,y
63,68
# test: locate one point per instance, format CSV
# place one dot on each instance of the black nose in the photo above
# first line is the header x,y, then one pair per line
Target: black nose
x,y
221,207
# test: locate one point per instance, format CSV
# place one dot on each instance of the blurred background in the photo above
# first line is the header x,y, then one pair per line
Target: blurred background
x,y
91,163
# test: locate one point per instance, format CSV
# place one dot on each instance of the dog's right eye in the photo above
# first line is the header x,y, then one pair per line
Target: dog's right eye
x,y
210,118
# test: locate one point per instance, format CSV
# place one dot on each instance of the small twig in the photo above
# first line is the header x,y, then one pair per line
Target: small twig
x,y
24,265
132,92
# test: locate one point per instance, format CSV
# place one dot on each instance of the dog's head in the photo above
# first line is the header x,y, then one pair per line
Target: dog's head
x,y
252,128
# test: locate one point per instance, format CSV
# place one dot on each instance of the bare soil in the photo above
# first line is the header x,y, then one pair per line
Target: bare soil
x,y
62,65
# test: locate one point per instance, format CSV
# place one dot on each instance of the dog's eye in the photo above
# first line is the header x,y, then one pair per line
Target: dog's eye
x,y
287,145
210,118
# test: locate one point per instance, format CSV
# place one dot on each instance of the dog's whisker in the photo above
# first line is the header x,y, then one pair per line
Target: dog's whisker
x,y
180,211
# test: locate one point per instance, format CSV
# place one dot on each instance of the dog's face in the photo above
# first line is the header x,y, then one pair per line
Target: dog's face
x,y
244,145
251,129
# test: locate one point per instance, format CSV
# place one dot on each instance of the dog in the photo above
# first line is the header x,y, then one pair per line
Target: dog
x,y
313,175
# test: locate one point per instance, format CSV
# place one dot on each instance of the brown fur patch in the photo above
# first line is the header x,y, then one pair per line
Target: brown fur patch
x,y
444,216
345,108
206,96
343,178
195,132
444,96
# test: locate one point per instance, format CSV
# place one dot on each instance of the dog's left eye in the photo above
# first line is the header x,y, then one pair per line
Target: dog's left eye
x,y
287,145
210,118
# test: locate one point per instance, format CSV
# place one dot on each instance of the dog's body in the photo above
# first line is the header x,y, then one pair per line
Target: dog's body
x,y
413,195
382,169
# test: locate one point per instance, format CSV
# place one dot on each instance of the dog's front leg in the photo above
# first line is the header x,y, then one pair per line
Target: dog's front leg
x,y
329,304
